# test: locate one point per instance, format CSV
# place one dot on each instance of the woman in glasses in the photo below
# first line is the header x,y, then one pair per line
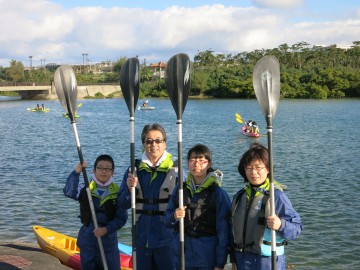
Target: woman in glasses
x,y
252,222
109,215
155,180
206,210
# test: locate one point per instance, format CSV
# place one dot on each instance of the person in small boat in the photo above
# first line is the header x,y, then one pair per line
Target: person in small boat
x,y
254,128
251,219
206,210
155,180
144,104
110,216
248,126
38,108
42,107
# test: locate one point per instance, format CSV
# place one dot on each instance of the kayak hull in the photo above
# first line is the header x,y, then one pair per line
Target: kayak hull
x,y
146,108
64,248
249,134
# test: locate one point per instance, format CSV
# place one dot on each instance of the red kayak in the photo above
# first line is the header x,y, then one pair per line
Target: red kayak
x,y
249,134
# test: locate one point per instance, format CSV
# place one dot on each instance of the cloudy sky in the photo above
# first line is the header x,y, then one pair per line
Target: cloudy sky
x,y
61,31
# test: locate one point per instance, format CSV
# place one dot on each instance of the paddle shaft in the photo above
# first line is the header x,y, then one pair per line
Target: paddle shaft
x,y
181,193
91,203
272,190
133,193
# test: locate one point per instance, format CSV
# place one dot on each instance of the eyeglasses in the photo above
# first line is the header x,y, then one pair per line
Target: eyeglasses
x,y
104,169
256,168
157,141
193,161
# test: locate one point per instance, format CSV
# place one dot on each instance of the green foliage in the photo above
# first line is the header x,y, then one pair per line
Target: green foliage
x,y
306,72
15,73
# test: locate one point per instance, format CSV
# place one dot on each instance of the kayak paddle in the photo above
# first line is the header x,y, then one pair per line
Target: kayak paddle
x,y
66,90
129,82
239,118
266,81
178,88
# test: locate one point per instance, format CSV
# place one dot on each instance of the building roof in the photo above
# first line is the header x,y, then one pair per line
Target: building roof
x,y
160,65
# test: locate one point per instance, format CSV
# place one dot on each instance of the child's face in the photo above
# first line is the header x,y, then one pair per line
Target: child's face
x,y
256,172
198,167
104,171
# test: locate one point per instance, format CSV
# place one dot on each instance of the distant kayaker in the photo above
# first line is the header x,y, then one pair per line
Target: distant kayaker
x,y
145,104
252,223
155,181
254,128
248,125
110,216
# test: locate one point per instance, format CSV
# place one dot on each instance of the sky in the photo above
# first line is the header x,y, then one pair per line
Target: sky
x,y
78,31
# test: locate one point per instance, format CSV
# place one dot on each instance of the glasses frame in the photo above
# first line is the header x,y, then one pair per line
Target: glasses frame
x,y
104,169
151,141
258,169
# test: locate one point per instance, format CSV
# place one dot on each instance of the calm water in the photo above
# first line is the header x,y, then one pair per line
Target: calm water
x,y
316,147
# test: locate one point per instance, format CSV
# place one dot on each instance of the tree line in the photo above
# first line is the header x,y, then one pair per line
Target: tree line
x,y
307,71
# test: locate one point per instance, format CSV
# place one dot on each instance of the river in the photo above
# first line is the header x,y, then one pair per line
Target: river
x,y
316,155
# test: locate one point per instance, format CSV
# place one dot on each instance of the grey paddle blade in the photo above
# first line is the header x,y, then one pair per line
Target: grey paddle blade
x,y
266,81
178,81
66,88
130,83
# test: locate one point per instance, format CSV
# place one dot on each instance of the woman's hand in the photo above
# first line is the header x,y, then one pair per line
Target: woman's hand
x,y
131,181
179,213
273,222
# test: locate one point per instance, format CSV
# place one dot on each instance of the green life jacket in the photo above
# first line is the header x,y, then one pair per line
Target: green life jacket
x,y
107,204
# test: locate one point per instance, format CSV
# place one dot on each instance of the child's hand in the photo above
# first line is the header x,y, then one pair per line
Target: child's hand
x,y
101,231
78,167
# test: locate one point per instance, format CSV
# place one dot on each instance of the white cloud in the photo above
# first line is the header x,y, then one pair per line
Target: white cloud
x,y
48,31
279,3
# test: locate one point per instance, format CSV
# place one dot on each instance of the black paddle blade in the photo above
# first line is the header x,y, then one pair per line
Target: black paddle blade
x,y
266,81
66,88
130,83
178,81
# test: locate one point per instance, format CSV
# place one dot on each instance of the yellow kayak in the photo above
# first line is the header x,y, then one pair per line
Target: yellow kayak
x,y
65,249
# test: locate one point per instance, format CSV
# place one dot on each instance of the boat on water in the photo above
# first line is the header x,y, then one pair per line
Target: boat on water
x,y
38,110
249,134
64,248
9,98
67,116
146,108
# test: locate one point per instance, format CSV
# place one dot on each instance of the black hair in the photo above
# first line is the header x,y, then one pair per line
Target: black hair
x,y
104,158
200,150
256,152
148,128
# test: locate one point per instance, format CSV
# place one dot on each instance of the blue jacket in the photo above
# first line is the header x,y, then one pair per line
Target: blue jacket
x,y
150,229
86,239
204,251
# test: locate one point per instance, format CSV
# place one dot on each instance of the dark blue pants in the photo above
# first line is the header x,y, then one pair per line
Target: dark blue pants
x,y
155,258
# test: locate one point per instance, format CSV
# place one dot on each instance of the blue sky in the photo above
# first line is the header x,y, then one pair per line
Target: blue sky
x,y
60,31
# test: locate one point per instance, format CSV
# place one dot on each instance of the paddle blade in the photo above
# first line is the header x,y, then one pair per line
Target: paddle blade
x,y
178,82
240,120
129,83
66,88
266,81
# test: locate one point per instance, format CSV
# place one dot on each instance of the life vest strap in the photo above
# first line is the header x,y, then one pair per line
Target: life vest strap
x,y
152,200
283,243
149,212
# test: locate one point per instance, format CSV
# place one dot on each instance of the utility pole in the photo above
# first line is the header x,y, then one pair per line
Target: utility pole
x,y
85,59
30,60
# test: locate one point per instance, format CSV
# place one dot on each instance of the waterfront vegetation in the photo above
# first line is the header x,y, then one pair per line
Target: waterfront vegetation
x,y
306,72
